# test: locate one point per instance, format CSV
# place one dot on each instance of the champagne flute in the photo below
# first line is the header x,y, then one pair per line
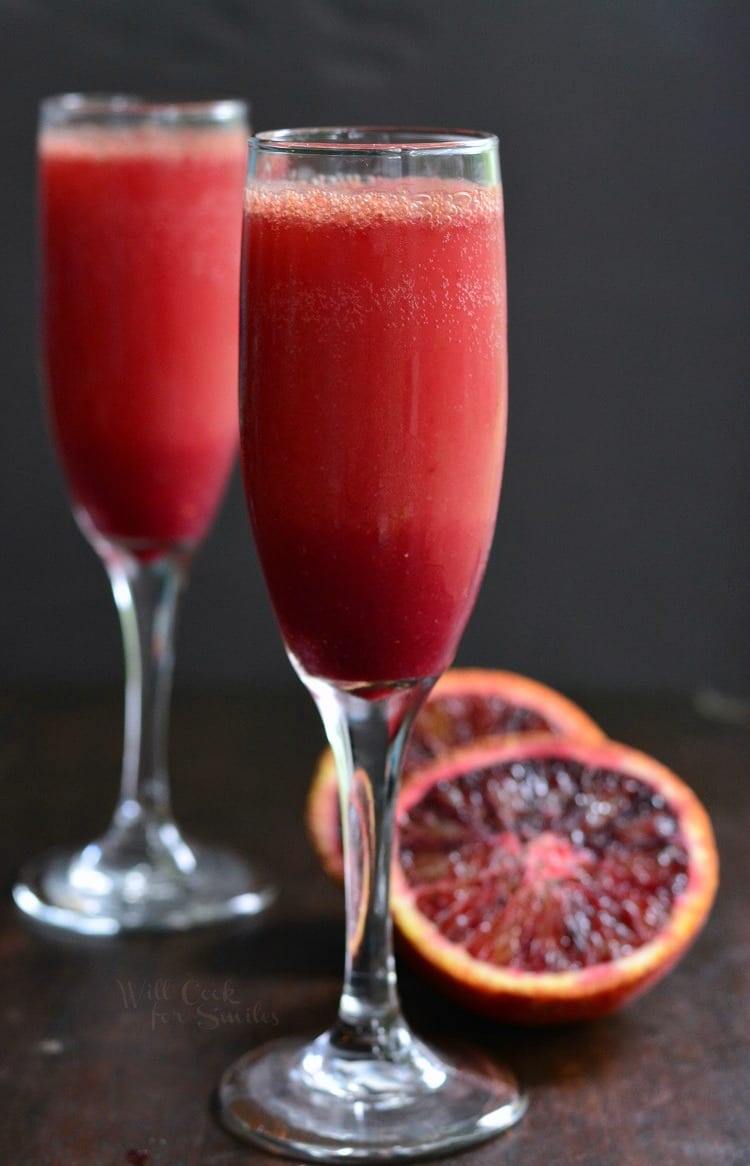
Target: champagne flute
x,y
373,414
141,205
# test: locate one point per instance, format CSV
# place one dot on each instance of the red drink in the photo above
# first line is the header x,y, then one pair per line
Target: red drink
x,y
141,210
374,387
141,243
373,390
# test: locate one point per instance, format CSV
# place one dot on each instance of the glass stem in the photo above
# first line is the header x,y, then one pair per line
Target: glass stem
x,y
146,595
368,738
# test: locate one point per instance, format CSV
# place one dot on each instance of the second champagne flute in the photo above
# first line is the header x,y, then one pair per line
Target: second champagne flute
x,y
140,246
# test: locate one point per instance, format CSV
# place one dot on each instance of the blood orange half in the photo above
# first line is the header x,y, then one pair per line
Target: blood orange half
x,y
466,705
542,880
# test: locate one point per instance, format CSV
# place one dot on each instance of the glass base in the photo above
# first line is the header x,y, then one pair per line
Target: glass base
x,y
316,1102
105,888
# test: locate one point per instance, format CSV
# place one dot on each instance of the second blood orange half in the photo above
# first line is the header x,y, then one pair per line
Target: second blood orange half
x,y
465,706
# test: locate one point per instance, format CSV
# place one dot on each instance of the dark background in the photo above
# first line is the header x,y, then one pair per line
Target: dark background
x,y
622,556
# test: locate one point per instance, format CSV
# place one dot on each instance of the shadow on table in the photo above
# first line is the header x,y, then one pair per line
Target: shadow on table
x,y
549,1055
306,948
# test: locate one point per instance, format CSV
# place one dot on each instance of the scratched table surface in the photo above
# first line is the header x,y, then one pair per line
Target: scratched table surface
x,y
110,1050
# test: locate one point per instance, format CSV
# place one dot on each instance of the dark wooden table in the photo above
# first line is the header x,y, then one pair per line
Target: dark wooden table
x,y
114,1046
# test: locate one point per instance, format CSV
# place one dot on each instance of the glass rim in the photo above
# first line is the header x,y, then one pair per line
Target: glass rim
x,y
363,139
62,107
